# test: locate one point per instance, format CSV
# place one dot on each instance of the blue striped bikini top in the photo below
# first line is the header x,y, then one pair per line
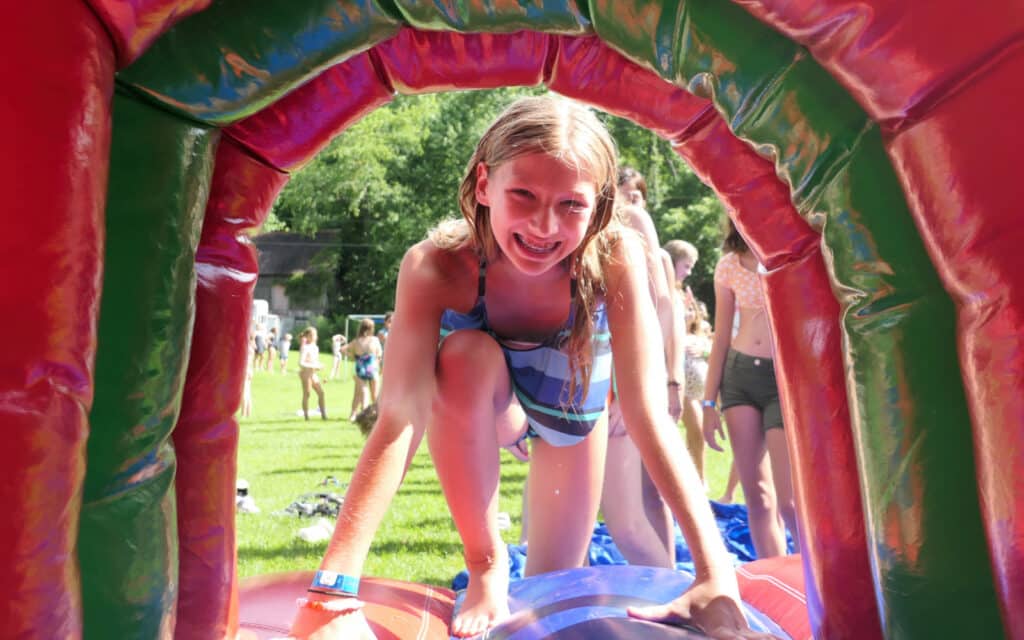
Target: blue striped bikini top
x,y
540,372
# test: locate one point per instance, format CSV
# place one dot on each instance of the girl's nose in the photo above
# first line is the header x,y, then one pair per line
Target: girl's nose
x,y
545,221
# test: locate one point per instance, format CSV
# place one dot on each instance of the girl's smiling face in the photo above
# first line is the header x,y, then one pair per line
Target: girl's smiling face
x,y
540,209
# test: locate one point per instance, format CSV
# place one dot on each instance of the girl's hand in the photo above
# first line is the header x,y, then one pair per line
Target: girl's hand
x,y
713,428
675,401
520,450
312,624
709,604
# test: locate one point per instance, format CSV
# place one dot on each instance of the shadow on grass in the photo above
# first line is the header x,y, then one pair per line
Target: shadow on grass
x,y
432,547
298,548
291,549
276,431
320,472
442,522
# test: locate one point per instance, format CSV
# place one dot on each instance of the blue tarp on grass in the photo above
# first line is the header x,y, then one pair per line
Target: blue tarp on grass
x,y
732,523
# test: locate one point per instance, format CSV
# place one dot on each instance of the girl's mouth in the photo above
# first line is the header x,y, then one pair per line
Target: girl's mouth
x,y
540,249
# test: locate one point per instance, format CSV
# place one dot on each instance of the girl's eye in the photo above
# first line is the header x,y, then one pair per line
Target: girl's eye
x,y
522,193
574,205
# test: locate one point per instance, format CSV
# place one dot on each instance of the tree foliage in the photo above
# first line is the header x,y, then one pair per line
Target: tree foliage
x,y
390,177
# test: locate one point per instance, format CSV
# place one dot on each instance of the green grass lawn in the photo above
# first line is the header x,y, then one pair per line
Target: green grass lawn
x,y
282,456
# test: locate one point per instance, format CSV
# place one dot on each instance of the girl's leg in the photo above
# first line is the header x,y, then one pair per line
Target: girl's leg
x,y
473,414
357,397
693,416
373,390
659,516
524,519
623,508
730,486
319,388
364,397
744,426
564,493
334,368
306,381
778,451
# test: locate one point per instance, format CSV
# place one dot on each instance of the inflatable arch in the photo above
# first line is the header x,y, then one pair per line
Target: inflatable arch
x,y
865,147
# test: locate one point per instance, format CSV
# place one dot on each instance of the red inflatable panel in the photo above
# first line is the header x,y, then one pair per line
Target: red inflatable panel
x,y
748,186
805,323
206,435
898,58
429,61
588,70
59,74
961,170
292,130
775,586
396,610
135,24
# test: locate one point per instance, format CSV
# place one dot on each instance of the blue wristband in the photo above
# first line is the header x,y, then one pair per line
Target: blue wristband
x,y
338,582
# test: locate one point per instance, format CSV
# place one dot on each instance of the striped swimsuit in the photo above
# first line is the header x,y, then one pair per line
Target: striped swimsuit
x,y
540,374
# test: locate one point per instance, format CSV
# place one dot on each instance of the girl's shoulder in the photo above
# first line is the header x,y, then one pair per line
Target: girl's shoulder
x,y
447,276
727,265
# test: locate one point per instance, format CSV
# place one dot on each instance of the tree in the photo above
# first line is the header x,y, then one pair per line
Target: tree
x,y
681,206
392,176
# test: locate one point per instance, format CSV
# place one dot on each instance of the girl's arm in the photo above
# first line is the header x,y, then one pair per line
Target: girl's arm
x,y
675,351
725,310
405,405
712,601
661,281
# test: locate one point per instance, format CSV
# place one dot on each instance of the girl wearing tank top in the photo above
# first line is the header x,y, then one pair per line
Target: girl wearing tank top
x,y
741,384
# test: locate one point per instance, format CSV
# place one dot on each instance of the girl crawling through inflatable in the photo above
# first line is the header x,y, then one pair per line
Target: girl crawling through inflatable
x,y
526,292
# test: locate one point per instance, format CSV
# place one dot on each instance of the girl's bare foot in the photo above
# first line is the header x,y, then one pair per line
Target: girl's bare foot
x,y
486,602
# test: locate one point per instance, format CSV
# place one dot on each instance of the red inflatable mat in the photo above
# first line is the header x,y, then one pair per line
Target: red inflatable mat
x,y
396,610
775,586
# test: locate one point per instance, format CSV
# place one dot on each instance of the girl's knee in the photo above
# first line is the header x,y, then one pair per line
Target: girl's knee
x,y
760,501
468,353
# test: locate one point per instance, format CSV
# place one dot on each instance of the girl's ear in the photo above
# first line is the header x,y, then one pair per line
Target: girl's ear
x,y
481,184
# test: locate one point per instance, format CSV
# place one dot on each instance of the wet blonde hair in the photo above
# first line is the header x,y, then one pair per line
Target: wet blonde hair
x,y
570,133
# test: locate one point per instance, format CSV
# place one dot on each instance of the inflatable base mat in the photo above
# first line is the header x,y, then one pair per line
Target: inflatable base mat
x,y
588,603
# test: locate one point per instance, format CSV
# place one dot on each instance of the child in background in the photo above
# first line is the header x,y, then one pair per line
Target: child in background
x,y
742,372
366,350
337,342
528,291
309,365
250,360
268,364
282,351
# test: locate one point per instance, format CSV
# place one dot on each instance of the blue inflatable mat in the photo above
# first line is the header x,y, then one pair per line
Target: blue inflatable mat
x,y
732,524
590,604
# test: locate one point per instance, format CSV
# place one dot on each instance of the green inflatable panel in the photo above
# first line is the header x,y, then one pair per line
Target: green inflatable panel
x,y
909,414
913,432
236,57
567,18
128,551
